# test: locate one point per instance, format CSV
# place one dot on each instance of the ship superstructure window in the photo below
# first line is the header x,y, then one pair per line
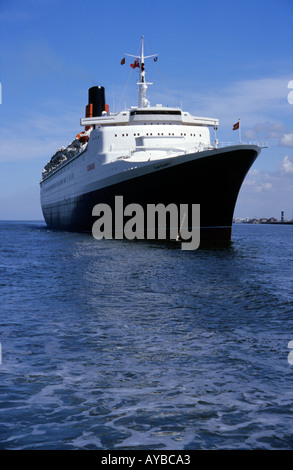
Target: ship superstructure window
x,y
163,111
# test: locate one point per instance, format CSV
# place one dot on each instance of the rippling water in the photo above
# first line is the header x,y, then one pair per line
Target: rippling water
x,y
135,345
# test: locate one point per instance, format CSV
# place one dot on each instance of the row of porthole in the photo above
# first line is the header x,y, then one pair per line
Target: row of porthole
x,y
191,135
150,134
126,135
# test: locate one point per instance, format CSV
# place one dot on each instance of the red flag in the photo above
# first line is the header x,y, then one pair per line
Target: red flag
x,y
236,126
123,61
135,64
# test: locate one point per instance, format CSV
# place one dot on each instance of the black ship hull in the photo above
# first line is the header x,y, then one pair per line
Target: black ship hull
x,y
212,181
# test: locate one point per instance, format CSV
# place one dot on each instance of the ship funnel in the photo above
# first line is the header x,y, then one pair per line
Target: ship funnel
x,y
97,99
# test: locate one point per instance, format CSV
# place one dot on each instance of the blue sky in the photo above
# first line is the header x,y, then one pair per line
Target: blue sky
x,y
225,59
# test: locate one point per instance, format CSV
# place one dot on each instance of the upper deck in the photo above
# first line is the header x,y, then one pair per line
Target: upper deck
x,y
149,115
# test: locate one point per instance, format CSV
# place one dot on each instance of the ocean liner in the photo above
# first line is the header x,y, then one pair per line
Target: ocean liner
x,y
149,155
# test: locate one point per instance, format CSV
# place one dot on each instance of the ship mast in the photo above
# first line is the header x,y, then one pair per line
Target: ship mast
x,y
142,84
143,102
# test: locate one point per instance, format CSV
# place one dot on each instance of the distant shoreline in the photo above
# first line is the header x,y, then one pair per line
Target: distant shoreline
x,y
261,222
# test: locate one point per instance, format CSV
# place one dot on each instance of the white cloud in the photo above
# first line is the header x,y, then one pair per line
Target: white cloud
x,y
287,140
270,131
290,94
258,182
286,166
263,180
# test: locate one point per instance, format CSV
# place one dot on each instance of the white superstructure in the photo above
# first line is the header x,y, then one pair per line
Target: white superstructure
x,y
124,141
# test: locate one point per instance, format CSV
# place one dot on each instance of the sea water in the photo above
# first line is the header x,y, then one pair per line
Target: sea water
x,y
128,345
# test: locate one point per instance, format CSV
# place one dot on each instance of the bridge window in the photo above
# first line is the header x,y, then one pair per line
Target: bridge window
x,y
154,112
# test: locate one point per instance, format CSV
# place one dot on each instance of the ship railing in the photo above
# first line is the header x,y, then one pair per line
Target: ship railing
x,y
229,144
